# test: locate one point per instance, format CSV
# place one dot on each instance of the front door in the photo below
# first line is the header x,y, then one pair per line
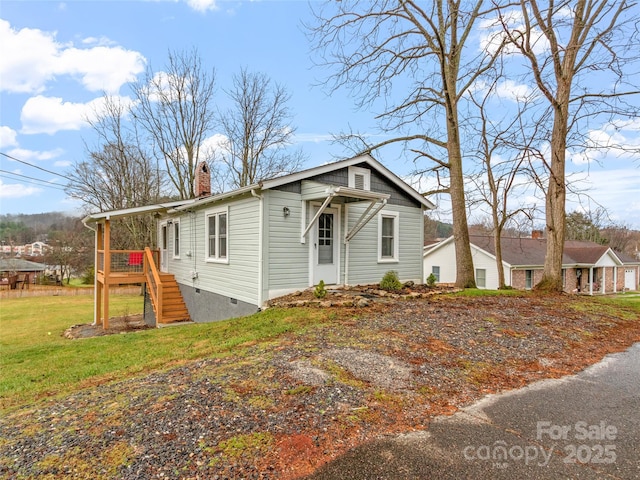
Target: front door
x,y
326,251
164,241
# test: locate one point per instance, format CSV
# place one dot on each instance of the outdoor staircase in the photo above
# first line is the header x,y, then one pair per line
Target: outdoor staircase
x,y
173,307
166,298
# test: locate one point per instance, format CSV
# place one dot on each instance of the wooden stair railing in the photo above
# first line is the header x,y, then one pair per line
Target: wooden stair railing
x,y
167,300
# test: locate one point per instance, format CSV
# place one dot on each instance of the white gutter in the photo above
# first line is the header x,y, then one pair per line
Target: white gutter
x,y
260,198
95,270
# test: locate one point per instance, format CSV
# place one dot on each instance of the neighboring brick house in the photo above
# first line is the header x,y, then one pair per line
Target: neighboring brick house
x,y
587,267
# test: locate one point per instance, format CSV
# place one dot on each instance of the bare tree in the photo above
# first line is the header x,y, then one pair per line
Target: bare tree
x,y
505,167
175,109
421,54
117,174
563,43
258,130
622,238
70,250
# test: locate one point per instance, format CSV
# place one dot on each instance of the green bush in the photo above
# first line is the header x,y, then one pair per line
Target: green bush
x,y
390,282
89,276
320,291
431,280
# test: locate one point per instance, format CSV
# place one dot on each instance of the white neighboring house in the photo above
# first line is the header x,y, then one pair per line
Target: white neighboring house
x,y
587,267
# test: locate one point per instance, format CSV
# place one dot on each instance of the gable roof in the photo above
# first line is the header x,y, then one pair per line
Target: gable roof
x,y
179,205
530,252
312,172
20,265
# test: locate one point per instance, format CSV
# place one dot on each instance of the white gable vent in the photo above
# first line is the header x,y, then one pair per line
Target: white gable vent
x,y
360,178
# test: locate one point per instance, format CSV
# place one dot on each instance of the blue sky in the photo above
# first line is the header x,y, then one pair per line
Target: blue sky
x,y
56,59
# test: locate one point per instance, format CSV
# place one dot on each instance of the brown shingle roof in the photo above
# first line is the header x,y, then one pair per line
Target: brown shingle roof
x,y
531,251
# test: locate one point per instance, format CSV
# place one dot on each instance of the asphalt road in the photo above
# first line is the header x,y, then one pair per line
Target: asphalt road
x,y
585,426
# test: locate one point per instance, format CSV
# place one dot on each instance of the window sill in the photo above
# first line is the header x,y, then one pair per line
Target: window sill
x,y
388,260
222,261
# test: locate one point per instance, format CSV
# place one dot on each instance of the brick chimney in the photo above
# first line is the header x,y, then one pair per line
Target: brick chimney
x,y
536,234
202,187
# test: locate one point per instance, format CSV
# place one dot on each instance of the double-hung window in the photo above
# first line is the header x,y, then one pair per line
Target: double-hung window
x,y
436,272
217,241
176,239
388,236
528,279
481,277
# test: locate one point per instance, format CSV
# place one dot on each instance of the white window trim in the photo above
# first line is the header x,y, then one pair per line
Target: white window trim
x,y
207,214
176,228
365,172
485,277
396,236
434,273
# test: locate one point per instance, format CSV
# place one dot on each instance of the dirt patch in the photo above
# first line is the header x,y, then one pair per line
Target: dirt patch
x,y
283,407
117,325
374,368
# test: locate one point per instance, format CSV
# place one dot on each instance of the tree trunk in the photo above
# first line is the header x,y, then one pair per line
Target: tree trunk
x,y
465,275
497,242
555,202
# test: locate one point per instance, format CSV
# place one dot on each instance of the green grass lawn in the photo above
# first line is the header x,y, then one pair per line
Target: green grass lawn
x,y
36,361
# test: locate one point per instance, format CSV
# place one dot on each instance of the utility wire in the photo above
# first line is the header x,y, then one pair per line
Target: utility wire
x,y
36,166
4,173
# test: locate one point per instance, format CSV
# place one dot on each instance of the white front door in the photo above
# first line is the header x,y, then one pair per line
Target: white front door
x,y
326,247
164,241
630,279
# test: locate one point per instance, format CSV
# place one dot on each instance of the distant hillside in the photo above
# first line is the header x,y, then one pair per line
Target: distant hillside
x,y
21,229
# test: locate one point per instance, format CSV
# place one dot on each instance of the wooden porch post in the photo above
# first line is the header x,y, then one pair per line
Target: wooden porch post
x,y
97,314
107,271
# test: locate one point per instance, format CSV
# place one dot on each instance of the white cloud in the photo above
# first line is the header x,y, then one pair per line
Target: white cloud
x,y
31,58
102,68
34,155
492,33
203,5
62,163
312,137
42,114
616,139
26,63
8,137
511,90
214,144
616,190
17,190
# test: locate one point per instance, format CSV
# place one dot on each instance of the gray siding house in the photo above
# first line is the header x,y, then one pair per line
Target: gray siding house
x,y
345,223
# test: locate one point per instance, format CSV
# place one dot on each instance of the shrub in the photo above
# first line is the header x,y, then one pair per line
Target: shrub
x,y
89,276
390,282
431,280
320,291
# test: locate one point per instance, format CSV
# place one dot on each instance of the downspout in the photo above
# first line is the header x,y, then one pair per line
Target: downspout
x,y
95,270
260,243
346,245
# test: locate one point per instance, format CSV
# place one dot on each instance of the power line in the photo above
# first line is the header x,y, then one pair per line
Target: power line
x,y
4,173
36,166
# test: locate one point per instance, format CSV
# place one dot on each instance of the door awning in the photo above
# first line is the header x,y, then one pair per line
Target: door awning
x,y
377,202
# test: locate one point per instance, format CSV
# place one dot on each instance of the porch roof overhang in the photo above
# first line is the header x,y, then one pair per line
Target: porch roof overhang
x,y
127,212
377,202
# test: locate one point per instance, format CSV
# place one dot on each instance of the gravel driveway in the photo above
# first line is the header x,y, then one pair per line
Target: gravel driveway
x,y
280,409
